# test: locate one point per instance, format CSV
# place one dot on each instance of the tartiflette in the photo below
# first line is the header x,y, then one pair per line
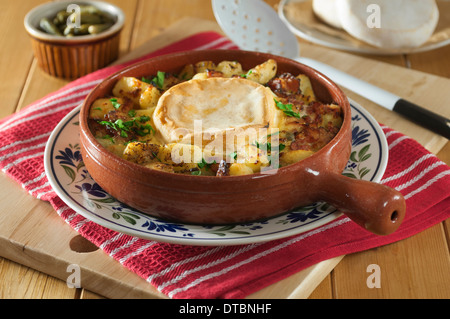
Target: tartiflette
x,y
214,119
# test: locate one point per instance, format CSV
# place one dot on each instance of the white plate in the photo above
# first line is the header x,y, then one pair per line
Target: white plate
x,y
299,17
73,184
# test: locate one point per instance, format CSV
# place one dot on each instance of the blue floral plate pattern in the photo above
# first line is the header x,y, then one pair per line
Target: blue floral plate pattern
x,y
73,184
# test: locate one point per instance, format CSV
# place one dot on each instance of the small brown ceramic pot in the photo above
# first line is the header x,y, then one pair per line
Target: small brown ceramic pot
x,y
71,58
240,199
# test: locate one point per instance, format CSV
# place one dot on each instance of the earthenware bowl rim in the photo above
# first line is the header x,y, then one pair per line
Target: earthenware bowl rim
x,y
324,80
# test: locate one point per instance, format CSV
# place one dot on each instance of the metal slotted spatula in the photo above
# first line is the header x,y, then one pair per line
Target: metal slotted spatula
x,y
255,26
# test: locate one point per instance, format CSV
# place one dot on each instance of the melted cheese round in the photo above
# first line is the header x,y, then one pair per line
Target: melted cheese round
x,y
212,107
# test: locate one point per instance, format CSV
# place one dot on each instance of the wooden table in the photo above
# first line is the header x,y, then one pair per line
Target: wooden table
x,y
417,267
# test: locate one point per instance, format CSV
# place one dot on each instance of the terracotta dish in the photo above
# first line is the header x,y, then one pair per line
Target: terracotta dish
x,y
241,199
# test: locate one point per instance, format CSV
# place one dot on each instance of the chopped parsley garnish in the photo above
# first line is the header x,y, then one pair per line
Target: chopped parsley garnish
x,y
119,125
205,164
184,76
115,103
234,155
143,79
261,146
158,80
155,155
133,125
287,109
143,118
202,163
247,74
268,146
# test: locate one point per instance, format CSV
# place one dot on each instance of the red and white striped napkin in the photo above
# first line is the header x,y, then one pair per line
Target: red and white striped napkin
x,y
181,271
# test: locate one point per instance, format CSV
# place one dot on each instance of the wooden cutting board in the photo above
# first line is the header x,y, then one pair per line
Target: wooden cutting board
x,y
32,234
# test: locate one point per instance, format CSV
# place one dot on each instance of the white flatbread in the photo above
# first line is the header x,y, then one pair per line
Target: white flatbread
x,y
403,23
326,10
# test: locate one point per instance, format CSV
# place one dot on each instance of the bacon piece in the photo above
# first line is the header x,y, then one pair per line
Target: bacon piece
x,y
284,85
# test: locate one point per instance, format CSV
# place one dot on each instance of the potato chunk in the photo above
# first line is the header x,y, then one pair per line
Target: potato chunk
x,y
253,157
263,72
103,106
239,169
306,88
131,88
294,156
203,66
141,153
149,97
187,72
229,68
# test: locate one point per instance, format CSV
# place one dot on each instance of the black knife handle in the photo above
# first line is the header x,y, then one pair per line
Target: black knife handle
x,y
432,121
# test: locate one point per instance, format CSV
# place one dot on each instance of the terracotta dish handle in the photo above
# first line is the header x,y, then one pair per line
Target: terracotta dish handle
x,y
375,207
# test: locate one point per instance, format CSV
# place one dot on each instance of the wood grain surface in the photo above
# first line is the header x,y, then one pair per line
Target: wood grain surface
x,y
417,267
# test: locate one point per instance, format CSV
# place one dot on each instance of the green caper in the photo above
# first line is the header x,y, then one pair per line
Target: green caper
x,y
86,18
91,21
82,30
89,9
61,17
69,30
49,27
97,28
